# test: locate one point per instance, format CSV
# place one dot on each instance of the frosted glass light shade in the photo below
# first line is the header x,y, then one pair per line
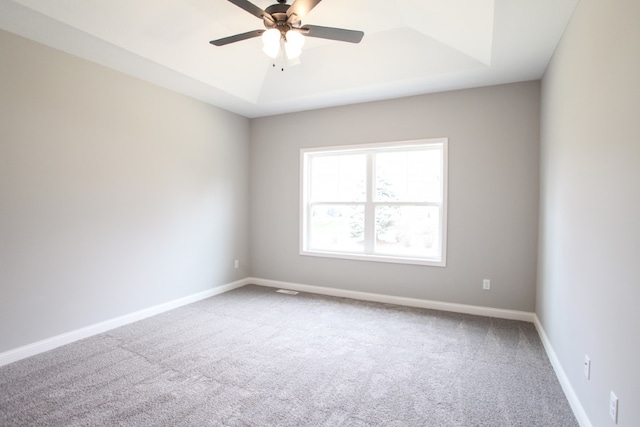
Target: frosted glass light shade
x,y
293,46
271,41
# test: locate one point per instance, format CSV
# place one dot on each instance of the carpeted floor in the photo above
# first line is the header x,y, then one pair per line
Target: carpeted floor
x,y
254,357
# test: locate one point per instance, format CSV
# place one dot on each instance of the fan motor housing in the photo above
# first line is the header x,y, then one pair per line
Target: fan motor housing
x,y
280,19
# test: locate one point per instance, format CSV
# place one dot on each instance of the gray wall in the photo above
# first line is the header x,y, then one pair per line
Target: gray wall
x,y
493,194
115,195
589,272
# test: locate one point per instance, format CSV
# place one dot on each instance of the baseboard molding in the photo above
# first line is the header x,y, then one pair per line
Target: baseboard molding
x,y
98,328
390,299
572,397
569,392
88,331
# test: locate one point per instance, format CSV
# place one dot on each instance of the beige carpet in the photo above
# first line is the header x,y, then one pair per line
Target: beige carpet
x,y
254,357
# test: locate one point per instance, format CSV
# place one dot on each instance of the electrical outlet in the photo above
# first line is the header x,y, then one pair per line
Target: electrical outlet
x,y
486,284
613,407
237,264
587,367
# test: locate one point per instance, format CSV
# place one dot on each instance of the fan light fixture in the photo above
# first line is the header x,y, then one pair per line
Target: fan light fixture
x,y
290,42
284,29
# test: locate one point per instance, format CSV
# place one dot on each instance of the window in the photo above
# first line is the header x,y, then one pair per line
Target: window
x,y
377,202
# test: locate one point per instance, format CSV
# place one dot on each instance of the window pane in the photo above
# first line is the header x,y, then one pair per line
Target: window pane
x,y
337,228
378,202
339,178
409,176
407,230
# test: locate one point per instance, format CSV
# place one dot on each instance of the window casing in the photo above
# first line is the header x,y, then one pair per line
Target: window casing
x,y
377,202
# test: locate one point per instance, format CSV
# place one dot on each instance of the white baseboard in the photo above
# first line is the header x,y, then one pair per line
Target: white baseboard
x,y
78,334
88,331
574,402
389,299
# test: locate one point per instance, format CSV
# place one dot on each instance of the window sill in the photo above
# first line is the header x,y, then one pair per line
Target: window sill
x,y
432,262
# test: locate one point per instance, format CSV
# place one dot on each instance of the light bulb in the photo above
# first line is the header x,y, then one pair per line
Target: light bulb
x,y
271,40
293,46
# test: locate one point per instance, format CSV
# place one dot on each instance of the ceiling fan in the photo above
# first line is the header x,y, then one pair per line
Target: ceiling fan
x,y
284,27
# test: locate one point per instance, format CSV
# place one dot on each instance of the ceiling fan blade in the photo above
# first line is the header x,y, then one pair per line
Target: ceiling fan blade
x,y
301,7
250,7
331,33
237,37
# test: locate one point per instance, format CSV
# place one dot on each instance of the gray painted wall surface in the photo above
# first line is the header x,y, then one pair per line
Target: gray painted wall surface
x,y
493,194
589,272
115,195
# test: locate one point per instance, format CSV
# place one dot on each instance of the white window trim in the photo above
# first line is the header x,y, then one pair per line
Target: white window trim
x,y
304,181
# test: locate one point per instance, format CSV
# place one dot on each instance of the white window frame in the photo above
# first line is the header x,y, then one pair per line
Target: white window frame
x,y
305,204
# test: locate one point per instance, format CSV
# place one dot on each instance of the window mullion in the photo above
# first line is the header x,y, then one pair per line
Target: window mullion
x,y
369,209
413,227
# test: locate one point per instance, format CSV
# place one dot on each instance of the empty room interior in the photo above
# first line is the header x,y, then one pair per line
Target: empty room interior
x,y
447,192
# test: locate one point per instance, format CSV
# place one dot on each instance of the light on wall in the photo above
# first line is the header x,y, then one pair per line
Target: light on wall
x,y
274,41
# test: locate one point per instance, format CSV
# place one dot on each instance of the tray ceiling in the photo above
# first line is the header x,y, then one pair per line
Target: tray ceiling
x,y
410,47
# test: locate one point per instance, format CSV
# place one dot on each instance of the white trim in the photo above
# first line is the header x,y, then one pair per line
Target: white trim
x,y
417,143
405,301
572,397
574,402
374,257
445,203
98,328
88,331
369,253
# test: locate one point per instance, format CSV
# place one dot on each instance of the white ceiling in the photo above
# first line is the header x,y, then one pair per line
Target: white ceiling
x,y
410,47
